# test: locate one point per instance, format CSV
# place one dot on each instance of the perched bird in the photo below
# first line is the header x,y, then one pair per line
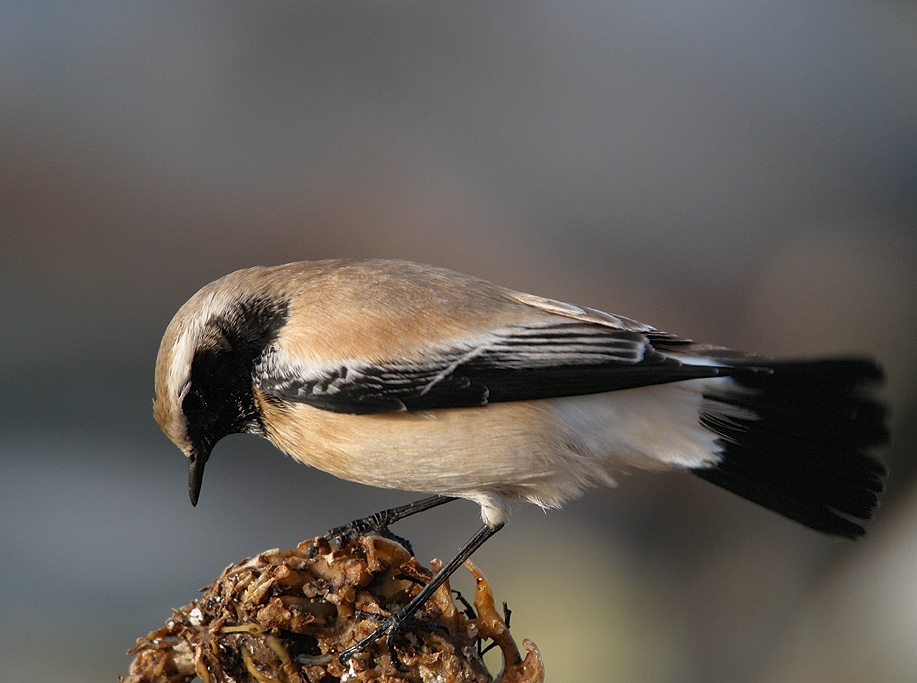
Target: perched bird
x,y
402,375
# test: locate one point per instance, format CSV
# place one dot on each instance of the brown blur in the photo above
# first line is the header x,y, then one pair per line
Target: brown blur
x,y
745,175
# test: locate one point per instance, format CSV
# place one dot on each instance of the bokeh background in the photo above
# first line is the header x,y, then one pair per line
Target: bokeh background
x,y
740,173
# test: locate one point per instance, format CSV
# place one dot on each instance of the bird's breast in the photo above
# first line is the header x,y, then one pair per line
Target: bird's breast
x,y
499,447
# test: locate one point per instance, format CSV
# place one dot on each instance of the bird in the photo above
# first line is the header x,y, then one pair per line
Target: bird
x,y
402,375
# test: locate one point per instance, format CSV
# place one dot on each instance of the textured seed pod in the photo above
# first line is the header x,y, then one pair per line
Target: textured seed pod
x,y
284,616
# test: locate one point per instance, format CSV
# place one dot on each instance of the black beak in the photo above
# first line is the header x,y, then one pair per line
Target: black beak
x,y
196,462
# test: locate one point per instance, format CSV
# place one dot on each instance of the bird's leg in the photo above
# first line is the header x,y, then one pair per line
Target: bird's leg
x,y
403,616
378,523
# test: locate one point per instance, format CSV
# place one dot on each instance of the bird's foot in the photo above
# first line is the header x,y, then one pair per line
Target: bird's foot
x,y
399,620
388,628
378,524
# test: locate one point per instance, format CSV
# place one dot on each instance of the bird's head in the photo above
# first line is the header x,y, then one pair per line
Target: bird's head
x,y
204,368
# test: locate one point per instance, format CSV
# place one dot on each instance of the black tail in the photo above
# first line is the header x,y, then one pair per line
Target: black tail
x,y
806,451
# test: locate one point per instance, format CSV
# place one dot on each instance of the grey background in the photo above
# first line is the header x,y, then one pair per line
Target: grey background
x,y
741,173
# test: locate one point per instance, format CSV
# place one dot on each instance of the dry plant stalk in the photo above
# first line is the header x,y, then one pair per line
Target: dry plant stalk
x,y
283,617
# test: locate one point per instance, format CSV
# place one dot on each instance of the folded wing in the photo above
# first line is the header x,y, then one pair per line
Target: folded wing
x,y
523,362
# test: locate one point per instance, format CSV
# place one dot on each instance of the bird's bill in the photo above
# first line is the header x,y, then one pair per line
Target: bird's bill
x,y
197,458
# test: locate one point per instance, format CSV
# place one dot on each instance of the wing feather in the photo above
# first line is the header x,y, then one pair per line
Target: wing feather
x,y
558,357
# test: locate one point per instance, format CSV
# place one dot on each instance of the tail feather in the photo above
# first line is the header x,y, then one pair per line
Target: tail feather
x,y
802,443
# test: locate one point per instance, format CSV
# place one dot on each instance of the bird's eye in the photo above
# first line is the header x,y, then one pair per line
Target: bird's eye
x,y
193,404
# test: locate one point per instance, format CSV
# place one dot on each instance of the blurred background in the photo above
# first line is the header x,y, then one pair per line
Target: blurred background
x,y
740,173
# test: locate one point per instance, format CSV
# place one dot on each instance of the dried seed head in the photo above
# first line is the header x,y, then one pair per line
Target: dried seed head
x,y
283,617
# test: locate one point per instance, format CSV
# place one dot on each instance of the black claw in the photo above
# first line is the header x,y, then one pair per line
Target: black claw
x,y
388,629
393,654
469,610
342,535
377,524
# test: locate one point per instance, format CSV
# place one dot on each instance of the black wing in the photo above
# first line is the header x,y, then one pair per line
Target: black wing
x,y
516,364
